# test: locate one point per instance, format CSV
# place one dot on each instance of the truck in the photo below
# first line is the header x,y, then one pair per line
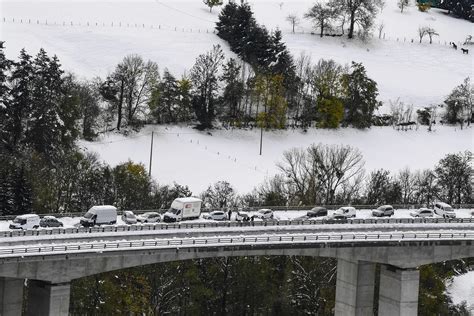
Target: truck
x,y
26,221
99,215
183,209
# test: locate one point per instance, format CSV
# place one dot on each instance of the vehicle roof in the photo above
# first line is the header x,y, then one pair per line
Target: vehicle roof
x,y
425,209
28,216
384,206
49,217
151,213
188,200
215,212
102,207
347,208
318,208
443,204
264,210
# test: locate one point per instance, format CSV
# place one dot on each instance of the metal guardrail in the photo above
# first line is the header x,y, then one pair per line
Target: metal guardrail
x,y
190,225
254,208
99,247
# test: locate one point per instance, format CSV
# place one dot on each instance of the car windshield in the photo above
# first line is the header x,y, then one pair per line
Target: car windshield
x,y
129,215
88,215
173,210
381,208
19,221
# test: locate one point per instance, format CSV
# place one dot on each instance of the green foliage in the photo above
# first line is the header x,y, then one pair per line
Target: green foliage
x,y
275,105
330,112
132,185
423,7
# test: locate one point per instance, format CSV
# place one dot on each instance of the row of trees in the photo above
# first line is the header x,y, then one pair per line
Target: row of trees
x,y
240,286
460,8
334,16
322,174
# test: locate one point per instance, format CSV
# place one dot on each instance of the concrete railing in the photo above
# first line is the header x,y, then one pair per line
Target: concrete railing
x,y
199,242
190,225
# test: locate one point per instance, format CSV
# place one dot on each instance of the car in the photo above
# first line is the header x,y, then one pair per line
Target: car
x,y
317,211
216,215
444,210
50,221
384,210
129,218
348,211
149,217
422,212
264,213
242,216
337,217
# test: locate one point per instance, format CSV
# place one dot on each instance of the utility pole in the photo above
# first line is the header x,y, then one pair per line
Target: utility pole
x,y
261,139
151,154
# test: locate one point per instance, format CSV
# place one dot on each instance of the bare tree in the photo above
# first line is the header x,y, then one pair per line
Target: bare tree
x,y
321,14
359,12
422,31
402,4
212,3
380,29
321,170
406,179
431,32
294,20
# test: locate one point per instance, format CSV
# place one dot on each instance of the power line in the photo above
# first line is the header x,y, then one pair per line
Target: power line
x,y
183,12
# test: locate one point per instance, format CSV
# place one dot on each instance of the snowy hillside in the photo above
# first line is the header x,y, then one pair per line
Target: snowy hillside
x,y
173,33
197,159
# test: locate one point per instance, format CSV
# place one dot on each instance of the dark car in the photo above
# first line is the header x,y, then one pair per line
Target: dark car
x,y
317,211
50,221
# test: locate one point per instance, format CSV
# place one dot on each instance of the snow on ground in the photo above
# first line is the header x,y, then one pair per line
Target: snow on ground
x,y
420,74
189,157
461,288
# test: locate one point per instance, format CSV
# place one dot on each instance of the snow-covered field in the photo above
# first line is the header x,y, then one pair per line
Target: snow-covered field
x,y
174,32
187,156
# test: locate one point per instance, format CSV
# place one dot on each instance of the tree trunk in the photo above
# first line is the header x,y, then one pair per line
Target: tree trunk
x,y
351,25
119,106
322,29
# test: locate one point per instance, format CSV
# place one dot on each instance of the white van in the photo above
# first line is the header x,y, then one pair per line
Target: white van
x,y
27,221
445,210
100,215
348,211
183,209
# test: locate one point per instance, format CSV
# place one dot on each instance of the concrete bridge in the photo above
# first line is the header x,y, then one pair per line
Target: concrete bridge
x,y
51,261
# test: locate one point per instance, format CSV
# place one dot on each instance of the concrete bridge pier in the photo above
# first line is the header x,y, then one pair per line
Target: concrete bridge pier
x,y
11,296
355,286
48,299
398,294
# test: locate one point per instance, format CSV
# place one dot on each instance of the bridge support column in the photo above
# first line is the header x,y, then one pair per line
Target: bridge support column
x,y
398,293
48,299
355,288
11,296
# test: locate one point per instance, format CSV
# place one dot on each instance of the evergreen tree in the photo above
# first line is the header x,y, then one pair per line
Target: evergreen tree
x,y
46,126
460,103
227,21
360,99
164,102
22,195
233,91
18,109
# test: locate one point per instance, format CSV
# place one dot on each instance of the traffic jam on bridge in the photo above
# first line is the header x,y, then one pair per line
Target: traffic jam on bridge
x,y
189,210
